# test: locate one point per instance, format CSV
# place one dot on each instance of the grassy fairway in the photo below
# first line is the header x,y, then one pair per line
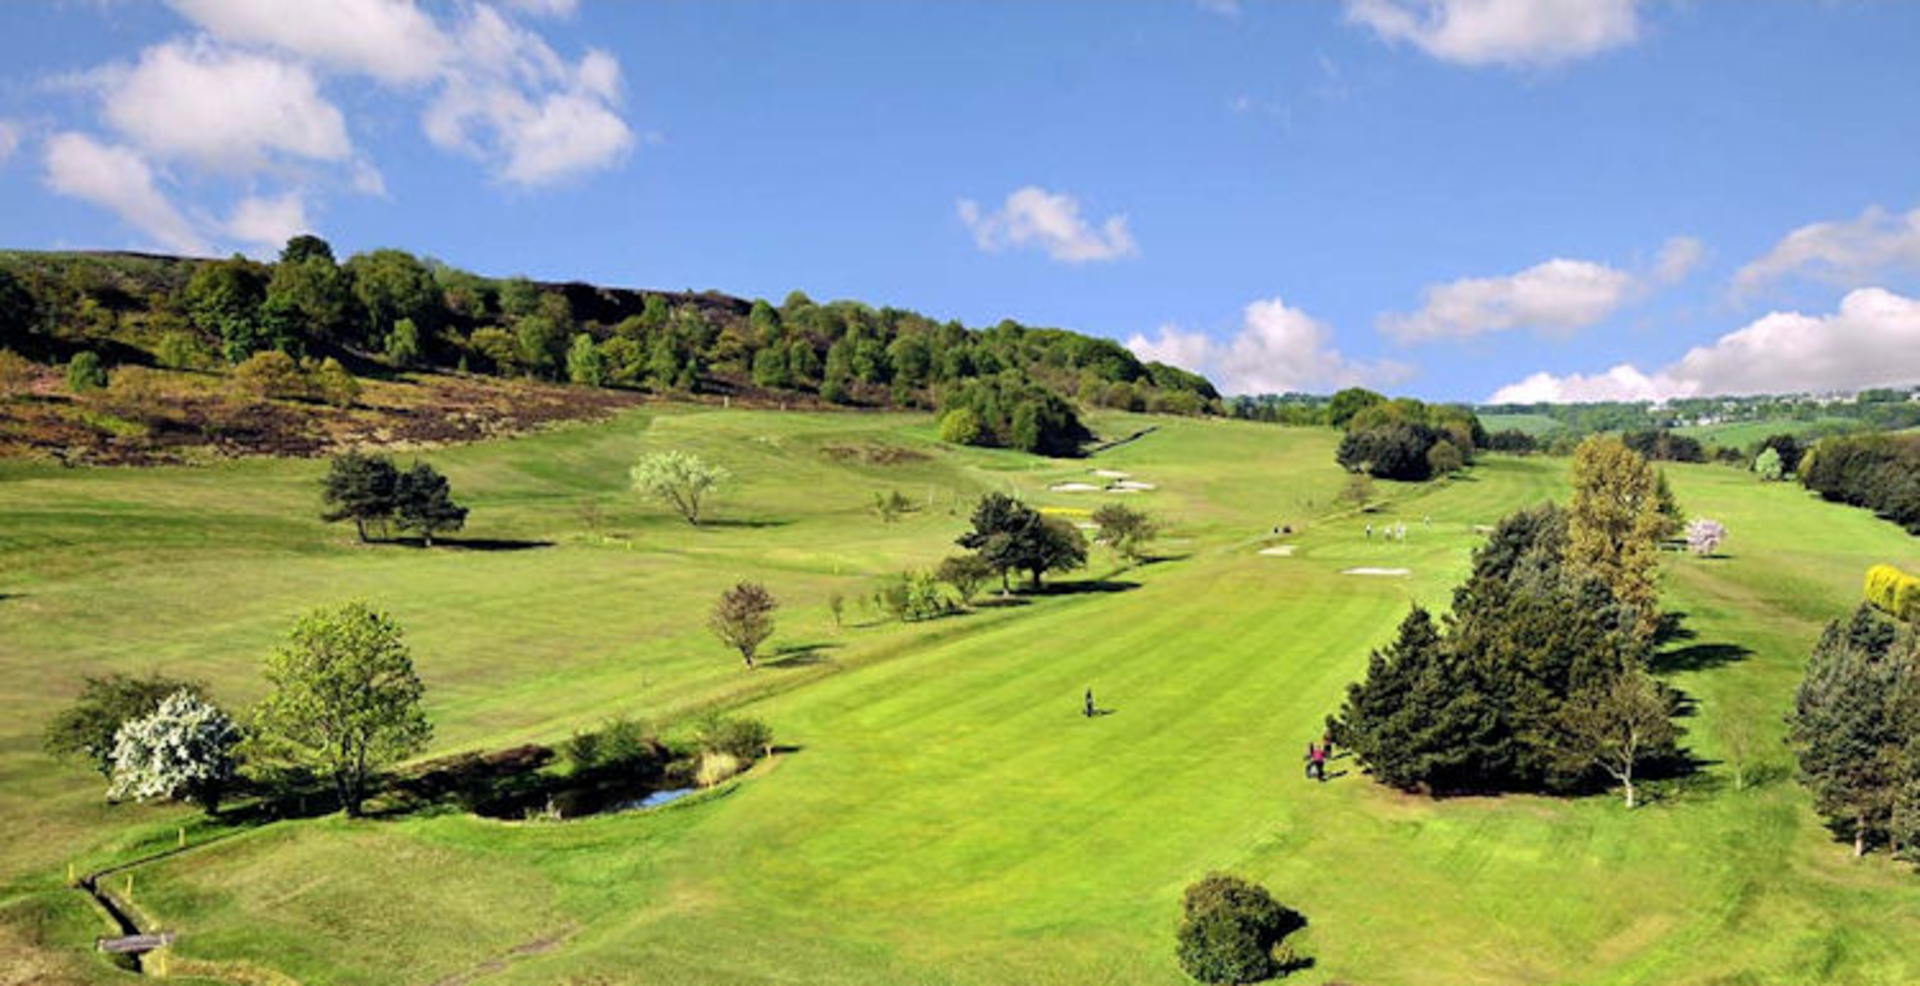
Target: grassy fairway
x,y
949,816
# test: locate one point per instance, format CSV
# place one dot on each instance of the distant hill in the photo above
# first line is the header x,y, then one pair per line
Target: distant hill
x,y
387,315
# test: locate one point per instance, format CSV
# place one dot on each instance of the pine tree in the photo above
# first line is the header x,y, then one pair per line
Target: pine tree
x,y
423,501
1848,726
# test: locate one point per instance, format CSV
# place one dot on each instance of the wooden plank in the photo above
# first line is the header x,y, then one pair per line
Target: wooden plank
x,y
135,944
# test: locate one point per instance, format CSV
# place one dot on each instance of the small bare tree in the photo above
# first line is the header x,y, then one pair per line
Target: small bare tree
x,y
743,618
1618,726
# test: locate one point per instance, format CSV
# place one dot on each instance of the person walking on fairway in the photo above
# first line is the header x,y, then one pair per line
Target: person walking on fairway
x,y
1089,711
1312,751
1320,764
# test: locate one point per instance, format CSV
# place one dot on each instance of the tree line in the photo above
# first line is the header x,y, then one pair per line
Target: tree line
x,y
1403,438
1879,472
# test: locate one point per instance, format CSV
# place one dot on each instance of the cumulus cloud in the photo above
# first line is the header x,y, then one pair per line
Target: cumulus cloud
x,y
1276,349
9,140
391,40
501,93
1847,251
1558,295
1872,340
221,110
1050,221
118,179
514,101
1501,32
268,222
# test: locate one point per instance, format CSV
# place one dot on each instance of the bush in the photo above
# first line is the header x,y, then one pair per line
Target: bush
x,y
271,373
16,373
621,745
85,372
1230,931
335,385
716,767
1894,592
742,738
960,426
182,351
1444,457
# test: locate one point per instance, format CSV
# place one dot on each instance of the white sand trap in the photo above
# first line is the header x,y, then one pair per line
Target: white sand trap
x,y
1111,474
1074,488
1119,489
1279,551
1376,571
1132,485
1083,525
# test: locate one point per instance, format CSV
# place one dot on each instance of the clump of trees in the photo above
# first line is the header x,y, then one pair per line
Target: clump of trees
x,y
680,480
1537,679
1787,451
86,729
1855,728
743,618
912,595
1513,442
1661,445
1007,411
1011,536
343,699
1879,472
373,493
1404,438
1233,931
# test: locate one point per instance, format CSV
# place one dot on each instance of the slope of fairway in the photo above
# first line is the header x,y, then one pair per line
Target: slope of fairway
x,y
948,816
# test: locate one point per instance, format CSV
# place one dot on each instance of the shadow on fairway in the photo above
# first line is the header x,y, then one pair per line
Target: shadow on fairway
x,y
752,525
1699,657
1083,587
800,656
487,544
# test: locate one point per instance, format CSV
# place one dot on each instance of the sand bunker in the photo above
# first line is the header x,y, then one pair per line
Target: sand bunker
x,y
1111,474
1278,551
1074,488
1376,571
1131,485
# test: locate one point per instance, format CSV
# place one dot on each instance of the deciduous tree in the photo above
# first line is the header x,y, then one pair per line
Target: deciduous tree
x,y
182,751
743,618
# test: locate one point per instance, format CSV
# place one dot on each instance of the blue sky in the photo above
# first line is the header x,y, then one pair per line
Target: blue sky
x,y
1540,199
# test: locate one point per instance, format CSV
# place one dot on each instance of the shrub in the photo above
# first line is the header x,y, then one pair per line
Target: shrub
x,y
1444,457
621,745
16,373
179,350
1704,536
1769,465
85,372
335,385
960,426
716,767
1894,592
911,596
273,374
1230,930
134,389
742,738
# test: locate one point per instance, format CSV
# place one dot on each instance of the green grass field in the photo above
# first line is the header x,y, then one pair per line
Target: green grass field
x,y
1741,434
948,816
1537,425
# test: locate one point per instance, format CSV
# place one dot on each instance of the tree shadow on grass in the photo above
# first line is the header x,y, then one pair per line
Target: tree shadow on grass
x,y
999,602
753,525
487,544
800,655
1081,587
1699,657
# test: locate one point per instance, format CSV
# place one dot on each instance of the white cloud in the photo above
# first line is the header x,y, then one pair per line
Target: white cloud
x,y
1224,8
1872,340
391,40
9,140
117,178
1277,349
1558,295
1051,221
221,110
1678,258
1501,32
546,8
1848,251
268,223
513,101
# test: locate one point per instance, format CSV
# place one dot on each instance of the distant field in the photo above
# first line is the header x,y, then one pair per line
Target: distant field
x,y
948,817
1532,424
1741,434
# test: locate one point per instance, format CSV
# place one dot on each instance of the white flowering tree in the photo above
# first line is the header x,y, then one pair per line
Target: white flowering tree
x,y
680,480
1704,536
183,751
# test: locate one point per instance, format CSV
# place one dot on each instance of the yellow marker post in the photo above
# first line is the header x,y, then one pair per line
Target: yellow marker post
x,y
71,877
183,837
129,888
